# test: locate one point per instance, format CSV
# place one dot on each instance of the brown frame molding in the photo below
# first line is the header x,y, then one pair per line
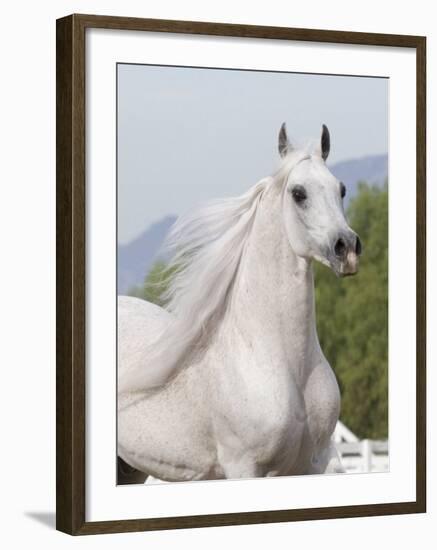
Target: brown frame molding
x,y
70,274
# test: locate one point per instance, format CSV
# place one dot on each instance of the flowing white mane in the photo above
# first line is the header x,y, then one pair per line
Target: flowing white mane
x,y
206,247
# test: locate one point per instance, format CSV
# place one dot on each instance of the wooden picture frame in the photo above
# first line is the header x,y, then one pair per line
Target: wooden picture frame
x,y
71,274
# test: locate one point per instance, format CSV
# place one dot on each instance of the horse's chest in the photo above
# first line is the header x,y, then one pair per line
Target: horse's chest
x,y
263,421
322,404
274,422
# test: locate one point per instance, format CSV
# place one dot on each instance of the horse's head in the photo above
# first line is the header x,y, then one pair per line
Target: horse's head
x,y
314,217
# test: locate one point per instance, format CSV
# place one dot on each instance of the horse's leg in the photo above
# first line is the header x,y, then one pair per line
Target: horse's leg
x,y
127,475
334,465
243,469
237,464
327,461
154,481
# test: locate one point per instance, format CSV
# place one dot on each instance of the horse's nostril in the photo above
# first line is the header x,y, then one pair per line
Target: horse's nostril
x,y
340,248
358,246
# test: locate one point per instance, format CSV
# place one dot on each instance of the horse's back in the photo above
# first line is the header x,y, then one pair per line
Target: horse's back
x,y
139,322
140,309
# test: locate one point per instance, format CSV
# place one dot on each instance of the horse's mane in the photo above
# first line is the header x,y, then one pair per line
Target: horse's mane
x,y
205,247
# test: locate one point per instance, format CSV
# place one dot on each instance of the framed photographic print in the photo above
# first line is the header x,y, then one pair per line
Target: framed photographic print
x,y
240,274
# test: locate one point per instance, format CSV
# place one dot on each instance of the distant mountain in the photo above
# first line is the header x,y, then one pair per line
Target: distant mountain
x,y
137,257
372,169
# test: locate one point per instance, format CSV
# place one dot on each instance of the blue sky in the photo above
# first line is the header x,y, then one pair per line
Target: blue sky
x,y
186,135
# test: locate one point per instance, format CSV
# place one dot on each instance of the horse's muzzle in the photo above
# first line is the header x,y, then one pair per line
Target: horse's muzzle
x,y
347,250
349,266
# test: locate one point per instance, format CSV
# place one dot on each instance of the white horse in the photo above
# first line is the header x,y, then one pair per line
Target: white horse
x,y
229,380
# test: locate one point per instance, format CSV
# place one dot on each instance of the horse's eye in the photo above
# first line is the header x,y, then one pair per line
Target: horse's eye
x,y
342,190
299,194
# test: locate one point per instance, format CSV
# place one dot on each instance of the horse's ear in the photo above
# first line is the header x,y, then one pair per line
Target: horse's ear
x,y
325,144
283,144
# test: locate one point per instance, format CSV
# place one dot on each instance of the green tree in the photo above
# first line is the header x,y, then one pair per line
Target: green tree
x,y
352,319
155,284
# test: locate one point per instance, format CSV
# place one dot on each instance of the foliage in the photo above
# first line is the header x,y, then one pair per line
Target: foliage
x,y
155,284
352,316
352,319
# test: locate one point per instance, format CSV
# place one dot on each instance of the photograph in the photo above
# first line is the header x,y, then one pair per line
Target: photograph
x,y
252,274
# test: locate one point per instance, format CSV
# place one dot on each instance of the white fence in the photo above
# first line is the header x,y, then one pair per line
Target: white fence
x,y
364,456
360,456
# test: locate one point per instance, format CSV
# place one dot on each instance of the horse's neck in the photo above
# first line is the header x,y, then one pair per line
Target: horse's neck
x,y
274,294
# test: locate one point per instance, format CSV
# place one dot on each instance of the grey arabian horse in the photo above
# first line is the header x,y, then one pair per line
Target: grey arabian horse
x,y
229,380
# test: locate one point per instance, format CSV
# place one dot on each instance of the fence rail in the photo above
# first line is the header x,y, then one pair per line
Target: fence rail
x,y
364,456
